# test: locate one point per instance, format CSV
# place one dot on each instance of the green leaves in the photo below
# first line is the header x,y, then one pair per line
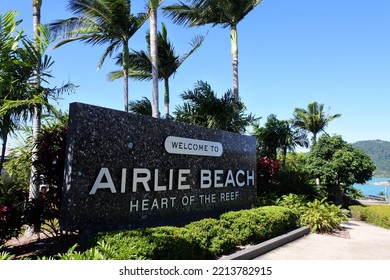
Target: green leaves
x,y
323,217
313,119
202,107
338,162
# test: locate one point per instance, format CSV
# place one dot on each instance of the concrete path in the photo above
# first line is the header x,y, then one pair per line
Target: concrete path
x,y
361,241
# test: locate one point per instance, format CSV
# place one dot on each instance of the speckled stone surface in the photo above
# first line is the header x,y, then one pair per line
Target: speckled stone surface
x,y
108,149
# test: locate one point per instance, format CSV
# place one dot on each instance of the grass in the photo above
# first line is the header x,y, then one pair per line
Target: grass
x,y
378,215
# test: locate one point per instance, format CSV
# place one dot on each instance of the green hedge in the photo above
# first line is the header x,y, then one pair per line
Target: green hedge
x,y
259,224
374,214
204,239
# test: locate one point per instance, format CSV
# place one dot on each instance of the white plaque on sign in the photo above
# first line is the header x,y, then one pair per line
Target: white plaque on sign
x,y
187,146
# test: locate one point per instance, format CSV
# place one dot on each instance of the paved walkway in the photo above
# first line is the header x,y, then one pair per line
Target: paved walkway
x,y
363,241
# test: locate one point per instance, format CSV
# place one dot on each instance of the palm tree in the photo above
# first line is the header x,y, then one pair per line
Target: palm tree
x,y
278,135
100,22
142,107
204,108
21,75
313,119
227,13
9,41
168,62
290,138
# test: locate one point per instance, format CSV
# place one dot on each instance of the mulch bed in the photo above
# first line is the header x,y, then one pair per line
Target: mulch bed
x,y
34,247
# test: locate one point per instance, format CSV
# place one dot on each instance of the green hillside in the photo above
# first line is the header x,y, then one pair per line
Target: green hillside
x,y
379,151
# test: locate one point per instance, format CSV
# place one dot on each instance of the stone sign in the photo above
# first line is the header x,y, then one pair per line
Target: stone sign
x,y
125,171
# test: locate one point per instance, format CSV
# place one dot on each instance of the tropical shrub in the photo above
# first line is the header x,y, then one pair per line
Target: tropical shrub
x,y
321,216
101,251
294,202
374,214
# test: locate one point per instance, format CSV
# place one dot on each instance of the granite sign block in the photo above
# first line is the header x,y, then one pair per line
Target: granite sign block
x,y
125,171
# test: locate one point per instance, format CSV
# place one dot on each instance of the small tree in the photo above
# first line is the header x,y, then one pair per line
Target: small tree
x,y
339,165
51,150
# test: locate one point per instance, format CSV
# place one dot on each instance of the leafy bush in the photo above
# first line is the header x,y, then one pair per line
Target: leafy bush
x,y
294,202
319,215
322,217
101,251
374,214
259,224
152,243
213,236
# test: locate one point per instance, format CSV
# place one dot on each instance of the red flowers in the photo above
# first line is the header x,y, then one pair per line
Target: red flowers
x,y
267,168
4,209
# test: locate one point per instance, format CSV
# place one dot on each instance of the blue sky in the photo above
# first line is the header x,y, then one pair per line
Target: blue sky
x,y
291,53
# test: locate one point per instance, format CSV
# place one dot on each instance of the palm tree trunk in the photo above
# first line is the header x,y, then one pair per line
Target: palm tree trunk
x,y
284,157
34,176
34,185
4,137
125,67
234,49
153,5
166,98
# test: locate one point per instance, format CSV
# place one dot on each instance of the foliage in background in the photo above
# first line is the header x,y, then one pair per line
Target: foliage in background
x,y
202,107
19,164
142,107
13,197
374,214
278,137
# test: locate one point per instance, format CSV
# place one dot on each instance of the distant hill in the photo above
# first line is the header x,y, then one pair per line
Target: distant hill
x,y
379,151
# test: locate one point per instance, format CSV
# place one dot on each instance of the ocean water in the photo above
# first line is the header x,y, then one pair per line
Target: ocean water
x,y
372,187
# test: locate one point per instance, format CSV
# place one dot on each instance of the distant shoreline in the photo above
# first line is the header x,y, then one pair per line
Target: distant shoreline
x,y
382,183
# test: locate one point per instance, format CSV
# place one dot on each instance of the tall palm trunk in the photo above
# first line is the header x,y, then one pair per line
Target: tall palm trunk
x,y
125,67
34,185
166,97
4,137
153,5
234,49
